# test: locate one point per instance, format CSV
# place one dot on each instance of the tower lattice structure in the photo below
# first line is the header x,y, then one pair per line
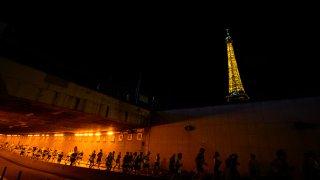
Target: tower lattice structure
x,y
236,90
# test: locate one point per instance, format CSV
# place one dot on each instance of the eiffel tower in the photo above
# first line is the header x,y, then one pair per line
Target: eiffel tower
x,y
236,90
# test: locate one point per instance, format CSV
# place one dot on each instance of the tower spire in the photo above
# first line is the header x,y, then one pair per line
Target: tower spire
x,y
236,90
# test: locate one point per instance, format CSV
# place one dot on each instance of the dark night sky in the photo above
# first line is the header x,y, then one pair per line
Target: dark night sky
x,y
180,53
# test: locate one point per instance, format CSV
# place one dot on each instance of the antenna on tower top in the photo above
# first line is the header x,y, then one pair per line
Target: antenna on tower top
x,y
228,38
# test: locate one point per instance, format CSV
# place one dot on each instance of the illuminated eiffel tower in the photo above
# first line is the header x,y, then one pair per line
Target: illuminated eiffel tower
x,y
236,90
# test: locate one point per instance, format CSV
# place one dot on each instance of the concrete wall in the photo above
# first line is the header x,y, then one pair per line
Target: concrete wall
x,y
260,128
25,82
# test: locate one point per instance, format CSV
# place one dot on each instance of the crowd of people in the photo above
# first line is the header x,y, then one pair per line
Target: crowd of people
x,y
139,163
279,167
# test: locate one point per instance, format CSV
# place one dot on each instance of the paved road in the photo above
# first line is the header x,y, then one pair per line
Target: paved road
x,y
42,170
13,169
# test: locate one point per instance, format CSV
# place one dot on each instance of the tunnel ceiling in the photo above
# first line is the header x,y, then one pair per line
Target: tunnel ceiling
x,y
21,116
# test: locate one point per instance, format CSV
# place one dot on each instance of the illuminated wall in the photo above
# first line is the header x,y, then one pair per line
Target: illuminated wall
x,y
87,143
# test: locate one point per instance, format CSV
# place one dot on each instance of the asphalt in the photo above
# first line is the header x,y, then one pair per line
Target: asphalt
x,y
38,169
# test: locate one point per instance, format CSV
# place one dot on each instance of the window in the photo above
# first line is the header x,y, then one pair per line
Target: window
x,y
129,138
139,136
120,137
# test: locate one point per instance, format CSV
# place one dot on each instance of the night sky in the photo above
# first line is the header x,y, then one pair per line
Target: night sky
x,y
179,53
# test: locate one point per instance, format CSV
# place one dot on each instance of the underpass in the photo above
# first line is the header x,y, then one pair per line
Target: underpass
x,y
36,169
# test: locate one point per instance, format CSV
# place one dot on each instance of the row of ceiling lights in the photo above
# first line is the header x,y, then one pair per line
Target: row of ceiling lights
x,y
76,134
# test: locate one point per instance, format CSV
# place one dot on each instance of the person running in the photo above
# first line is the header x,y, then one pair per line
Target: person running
x,y
60,156
125,163
109,161
146,162
178,166
231,164
280,167
311,166
172,162
137,163
99,157
92,158
118,161
73,158
156,167
200,161
216,166
253,167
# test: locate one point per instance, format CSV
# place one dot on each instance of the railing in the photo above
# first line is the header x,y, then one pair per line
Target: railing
x,y
4,172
